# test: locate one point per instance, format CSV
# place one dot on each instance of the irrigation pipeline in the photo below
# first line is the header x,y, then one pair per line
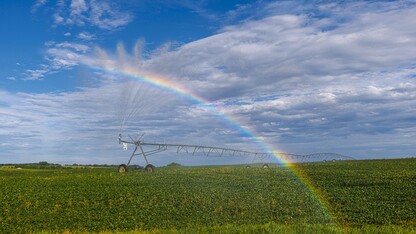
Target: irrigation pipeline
x,y
213,151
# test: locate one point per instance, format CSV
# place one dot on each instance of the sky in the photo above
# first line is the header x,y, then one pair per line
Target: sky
x,y
287,76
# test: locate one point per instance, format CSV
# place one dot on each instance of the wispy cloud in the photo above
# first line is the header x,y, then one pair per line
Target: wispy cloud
x,y
36,74
103,14
38,4
106,15
64,55
86,36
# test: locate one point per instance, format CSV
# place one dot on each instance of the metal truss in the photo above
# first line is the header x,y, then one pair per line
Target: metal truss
x,y
314,157
146,149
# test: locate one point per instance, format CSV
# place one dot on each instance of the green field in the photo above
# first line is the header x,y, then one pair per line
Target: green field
x,y
361,196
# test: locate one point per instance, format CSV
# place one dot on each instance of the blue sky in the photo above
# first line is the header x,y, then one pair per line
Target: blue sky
x,y
303,76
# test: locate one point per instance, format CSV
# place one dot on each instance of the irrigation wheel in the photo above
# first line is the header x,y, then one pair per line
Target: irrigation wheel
x,y
265,166
149,168
122,168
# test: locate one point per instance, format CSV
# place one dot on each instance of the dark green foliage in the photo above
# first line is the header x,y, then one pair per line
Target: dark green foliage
x,y
39,165
174,165
377,192
360,192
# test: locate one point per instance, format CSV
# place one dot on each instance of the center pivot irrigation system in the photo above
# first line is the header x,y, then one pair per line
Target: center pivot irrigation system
x,y
146,149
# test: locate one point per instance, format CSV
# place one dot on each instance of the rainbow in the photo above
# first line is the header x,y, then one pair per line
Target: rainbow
x,y
166,84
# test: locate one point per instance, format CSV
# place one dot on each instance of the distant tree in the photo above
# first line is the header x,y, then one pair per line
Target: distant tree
x,y
174,165
43,163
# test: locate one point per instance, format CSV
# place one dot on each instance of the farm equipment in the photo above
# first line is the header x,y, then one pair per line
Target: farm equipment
x,y
145,149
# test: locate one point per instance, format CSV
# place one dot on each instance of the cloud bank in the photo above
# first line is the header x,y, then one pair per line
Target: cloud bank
x,y
321,77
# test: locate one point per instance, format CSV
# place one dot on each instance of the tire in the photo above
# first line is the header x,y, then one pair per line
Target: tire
x,y
150,168
265,166
122,168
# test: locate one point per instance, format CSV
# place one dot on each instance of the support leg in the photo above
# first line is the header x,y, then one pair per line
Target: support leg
x,y
132,155
144,155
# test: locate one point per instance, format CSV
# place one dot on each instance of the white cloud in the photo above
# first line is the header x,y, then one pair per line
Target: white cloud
x,y
86,36
78,7
69,45
64,55
103,14
58,19
35,74
281,51
38,4
106,16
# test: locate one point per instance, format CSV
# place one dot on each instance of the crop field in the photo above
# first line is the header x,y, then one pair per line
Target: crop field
x,y
348,196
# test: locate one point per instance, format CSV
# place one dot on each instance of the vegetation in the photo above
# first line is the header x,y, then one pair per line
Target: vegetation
x,y
39,165
363,196
379,192
174,165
